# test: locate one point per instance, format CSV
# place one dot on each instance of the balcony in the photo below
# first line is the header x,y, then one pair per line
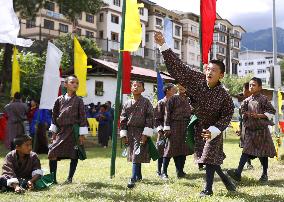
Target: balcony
x,y
188,32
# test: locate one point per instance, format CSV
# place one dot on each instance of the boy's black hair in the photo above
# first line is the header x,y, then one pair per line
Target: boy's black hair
x,y
167,87
104,106
67,78
220,64
17,95
246,85
19,141
108,102
137,81
257,80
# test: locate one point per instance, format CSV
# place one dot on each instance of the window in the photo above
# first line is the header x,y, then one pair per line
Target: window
x,y
89,18
101,34
49,6
116,2
223,28
89,34
261,71
114,19
236,43
99,88
146,52
141,11
234,68
177,45
235,54
221,50
114,36
48,24
159,22
147,38
101,17
63,28
237,33
263,80
30,24
193,29
177,30
191,56
78,31
222,38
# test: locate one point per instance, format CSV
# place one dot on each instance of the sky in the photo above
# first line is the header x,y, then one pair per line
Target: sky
x,y
253,15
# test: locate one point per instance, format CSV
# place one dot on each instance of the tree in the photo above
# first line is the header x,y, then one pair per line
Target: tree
x,y
234,83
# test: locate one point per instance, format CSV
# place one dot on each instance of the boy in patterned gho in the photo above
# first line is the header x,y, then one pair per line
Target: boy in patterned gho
x,y
213,107
257,114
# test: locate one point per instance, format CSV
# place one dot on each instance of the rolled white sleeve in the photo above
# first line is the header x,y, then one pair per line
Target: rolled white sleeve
x,y
167,128
37,172
214,132
123,133
269,116
83,131
12,181
164,47
159,128
148,131
53,128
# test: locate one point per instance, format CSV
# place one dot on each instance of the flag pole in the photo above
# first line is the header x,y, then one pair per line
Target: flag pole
x,y
118,94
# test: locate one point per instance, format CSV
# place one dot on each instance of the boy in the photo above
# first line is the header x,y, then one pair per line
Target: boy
x,y
213,107
103,118
159,113
257,113
21,167
68,110
136,125
177,115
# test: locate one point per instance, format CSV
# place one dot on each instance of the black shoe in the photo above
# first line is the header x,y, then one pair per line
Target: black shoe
x,y
159,174
164,176
68,181
233,174
138,179
181,174
263,178
131,183
205,193
230,186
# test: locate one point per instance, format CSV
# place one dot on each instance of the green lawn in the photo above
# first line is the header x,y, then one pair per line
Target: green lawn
x,y
92,181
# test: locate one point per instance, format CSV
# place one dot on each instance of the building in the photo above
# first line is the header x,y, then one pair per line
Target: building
x,y
257,63
227,44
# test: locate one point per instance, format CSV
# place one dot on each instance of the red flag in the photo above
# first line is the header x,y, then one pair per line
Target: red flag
x,y
126,73
208,17
60,87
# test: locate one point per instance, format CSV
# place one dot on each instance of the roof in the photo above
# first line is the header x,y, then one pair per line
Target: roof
x,y
136,71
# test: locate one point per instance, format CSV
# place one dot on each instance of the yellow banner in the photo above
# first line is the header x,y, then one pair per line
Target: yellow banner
x,y
280,102
15,73
94,124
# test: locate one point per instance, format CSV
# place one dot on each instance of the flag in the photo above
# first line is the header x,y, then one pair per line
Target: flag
x,y
133,29
280,102
80,68
126,74
15,73
168,30
51,77
208,17
10,26
160,86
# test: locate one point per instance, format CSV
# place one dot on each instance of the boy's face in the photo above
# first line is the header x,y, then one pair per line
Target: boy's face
x,y
172,91
181,89
72,84
102,109
25,148
254,87
213,74
137,88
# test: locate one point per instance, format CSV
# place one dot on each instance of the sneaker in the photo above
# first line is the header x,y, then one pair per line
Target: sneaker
x,y
181,174
249,167
233,174
138,179
68,181
164,176
263,178
159,174
205,193
131,183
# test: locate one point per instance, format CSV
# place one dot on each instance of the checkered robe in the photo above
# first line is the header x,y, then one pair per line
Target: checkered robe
x,y
177,115
13,169
213,107
16,112
258,141
159,117
65,114
136,119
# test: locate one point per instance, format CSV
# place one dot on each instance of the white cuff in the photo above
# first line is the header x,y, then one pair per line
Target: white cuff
x,y
167,128
123,133
148,131
214,132
53,128
83,131
164,47
159,128
12,181
268,115
37,172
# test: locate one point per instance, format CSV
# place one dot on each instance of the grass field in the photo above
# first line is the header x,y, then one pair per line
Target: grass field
x,y
92,181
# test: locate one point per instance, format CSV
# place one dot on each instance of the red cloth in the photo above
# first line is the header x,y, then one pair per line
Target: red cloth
x,y
31,113
208,17
126,73
3,126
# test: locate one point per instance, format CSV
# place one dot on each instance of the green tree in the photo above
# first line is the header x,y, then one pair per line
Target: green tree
x,y
235,83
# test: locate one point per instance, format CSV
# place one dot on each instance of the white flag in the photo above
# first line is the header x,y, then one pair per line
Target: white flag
x,y
51,77
9,25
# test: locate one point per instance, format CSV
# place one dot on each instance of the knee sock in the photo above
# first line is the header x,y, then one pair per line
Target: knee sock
x,y
244,158
53,168
249,161
183,159
177,163
139,172
166,161
3,182
210,170
73,166
160,163
264,163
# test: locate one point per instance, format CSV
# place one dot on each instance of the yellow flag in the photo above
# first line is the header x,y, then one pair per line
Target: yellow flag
x,y
235,126
280,102
94,124
133,29
15,74
80,68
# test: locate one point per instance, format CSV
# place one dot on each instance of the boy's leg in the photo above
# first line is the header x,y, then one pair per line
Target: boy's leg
x,y
183,158
236,174
53,168
225,179
72,169
132,180
177,163
264,163
139,172
210,170
160,163
166,161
